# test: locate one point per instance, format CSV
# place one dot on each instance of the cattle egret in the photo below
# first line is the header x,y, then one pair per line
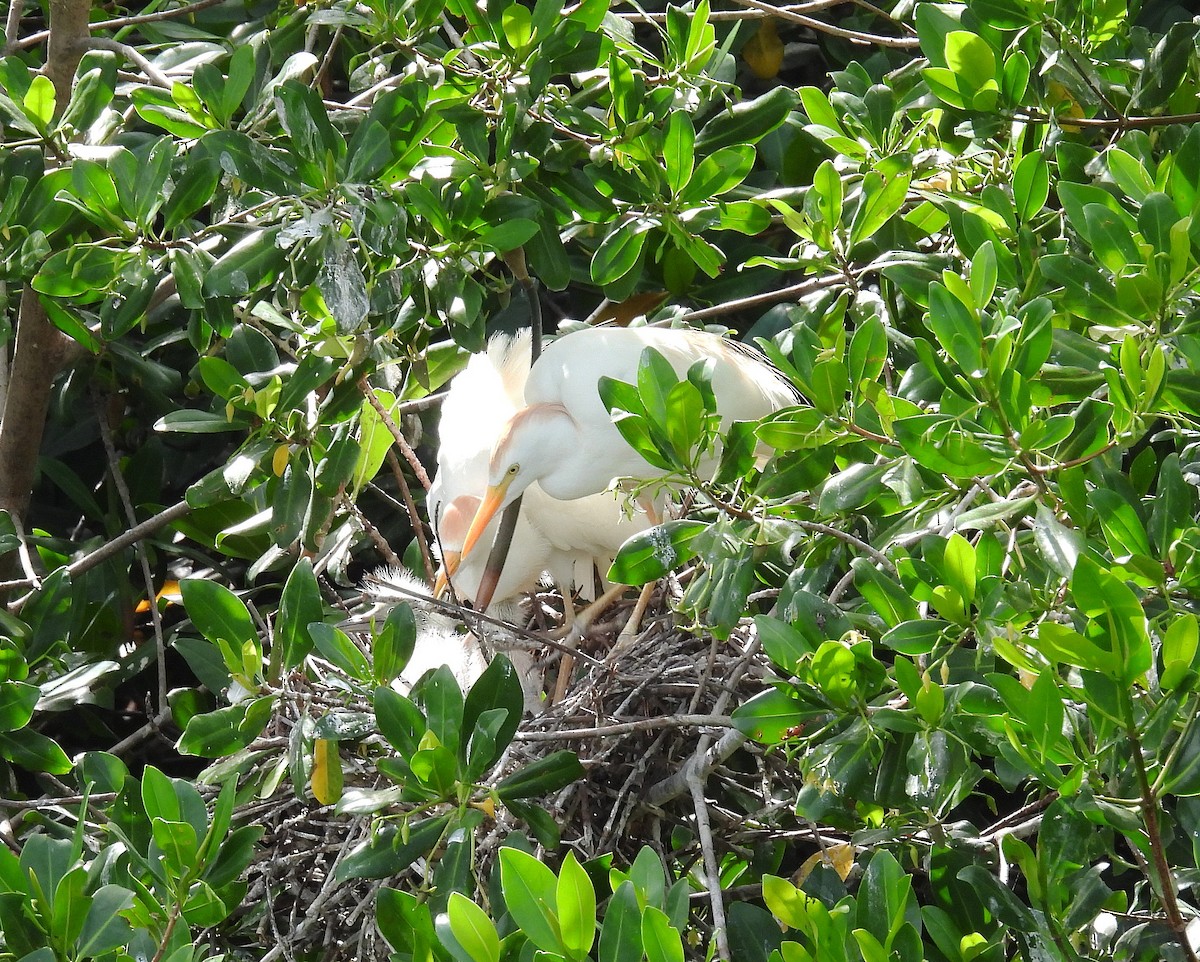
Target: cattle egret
x,y
564,438
566,539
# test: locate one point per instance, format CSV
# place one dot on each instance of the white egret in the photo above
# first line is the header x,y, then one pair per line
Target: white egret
x,y
564,438
567,539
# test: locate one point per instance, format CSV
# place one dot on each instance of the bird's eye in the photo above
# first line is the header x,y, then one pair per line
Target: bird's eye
x,y
513,469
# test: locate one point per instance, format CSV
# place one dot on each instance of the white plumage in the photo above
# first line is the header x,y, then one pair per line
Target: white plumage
x,y
564,439
566,539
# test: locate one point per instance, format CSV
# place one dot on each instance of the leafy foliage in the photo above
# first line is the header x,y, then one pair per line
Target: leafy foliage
x,y
970,554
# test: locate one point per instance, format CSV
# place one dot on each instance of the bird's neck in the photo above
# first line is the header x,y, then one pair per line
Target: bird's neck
x,y
571,474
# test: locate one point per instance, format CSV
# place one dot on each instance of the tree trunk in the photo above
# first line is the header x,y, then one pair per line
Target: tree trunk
x,y
41,350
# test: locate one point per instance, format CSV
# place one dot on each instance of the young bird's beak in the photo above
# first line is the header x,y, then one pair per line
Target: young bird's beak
x,y
450,563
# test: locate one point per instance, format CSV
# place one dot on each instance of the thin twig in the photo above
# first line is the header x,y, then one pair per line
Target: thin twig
x,y
118,479
770,297
1109,123
872,552
132,740
23,551
401,441
625,728
134,56
712,872
106,550
716,16
12,24
858,36
413,518
120,22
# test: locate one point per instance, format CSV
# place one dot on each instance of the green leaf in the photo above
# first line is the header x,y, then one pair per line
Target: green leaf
x,y
442,700
718,173
1031,185
769,717
576,901
394,644
621,933
620,250
649,555
529,892
917,637
970,58
218,614
548,774
400,721
39,102
104,928
299,606
661,940
884,593
497,689
17,701
252,263
881,200
336,647
1123,529
748,121
226,730
196,422
517,22
827,184
679,145
159,797
472,929
83,272
783,644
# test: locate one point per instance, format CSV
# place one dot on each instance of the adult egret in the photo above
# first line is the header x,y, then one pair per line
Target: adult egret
x,y
566,539
564,439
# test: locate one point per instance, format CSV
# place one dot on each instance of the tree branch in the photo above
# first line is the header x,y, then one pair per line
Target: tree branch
x,y
69,35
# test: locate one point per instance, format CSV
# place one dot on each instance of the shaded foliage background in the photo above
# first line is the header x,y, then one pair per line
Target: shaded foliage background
x,y
232,235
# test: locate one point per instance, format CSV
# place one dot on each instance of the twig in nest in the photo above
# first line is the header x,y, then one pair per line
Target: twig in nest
x,y
712,873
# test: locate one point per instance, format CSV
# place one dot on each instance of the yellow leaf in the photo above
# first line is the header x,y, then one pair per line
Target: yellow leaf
x,y
763,52
168,592
487,806
840,858
279,460
1064,104
326,772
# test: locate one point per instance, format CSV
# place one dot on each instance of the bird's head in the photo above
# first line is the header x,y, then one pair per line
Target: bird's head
x,y
521,456
452,526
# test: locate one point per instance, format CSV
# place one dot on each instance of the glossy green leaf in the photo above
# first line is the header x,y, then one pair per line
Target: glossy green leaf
x,y
769,716
217,613
621,933
400,721
335,646
472,929
649,555
576,903
530,892
662,942
620,250
394,643
226,730
299,606
679,143
718,173
104,928
548,774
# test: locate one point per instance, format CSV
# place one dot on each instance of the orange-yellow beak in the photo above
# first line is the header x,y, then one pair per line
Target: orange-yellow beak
x,y
450,562
487,510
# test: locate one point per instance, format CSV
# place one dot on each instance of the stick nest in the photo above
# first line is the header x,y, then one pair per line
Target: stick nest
x,y
639,720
